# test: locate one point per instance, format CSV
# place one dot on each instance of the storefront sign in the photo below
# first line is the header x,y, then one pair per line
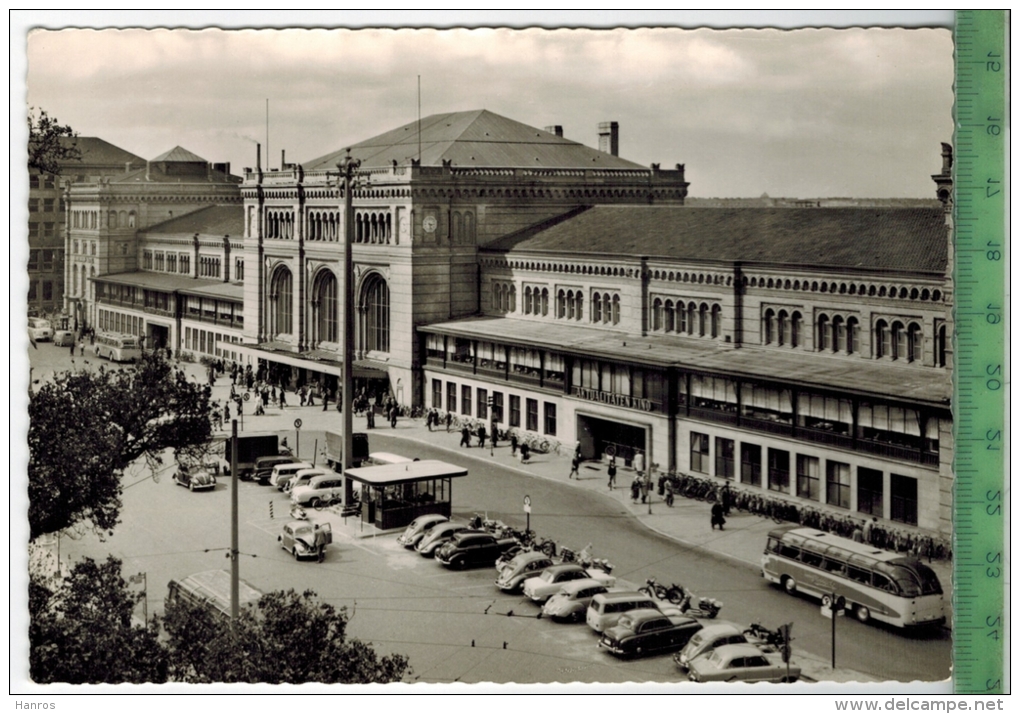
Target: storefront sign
x,y
617,400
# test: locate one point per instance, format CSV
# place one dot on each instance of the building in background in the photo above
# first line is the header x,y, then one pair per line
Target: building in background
x,y
47,233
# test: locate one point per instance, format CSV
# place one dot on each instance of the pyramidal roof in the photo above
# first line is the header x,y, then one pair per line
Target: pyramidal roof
x,y
474,138
179,153
97,152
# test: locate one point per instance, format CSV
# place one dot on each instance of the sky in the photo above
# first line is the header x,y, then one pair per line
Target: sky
x,y
803,113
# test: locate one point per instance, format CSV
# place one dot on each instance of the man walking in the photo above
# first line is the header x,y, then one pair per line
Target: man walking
x,y
465,437
612,473
574,464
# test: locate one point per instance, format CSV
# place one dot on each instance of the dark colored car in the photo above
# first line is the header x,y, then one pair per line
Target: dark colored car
x,y
642,632
473,548
195,479
264,466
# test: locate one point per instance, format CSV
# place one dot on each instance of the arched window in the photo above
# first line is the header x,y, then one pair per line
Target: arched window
x,y
579,308
940,346
796,326
545,302
561,304
703,320
883,339
376,309
716,321
669,317
596,308
915,342
325,296
616,309
607,308
496,297
900,340
692,317
513,298
657,324
839,332
528,301
782,328
282,295
824,333
681,318
853,335
769,327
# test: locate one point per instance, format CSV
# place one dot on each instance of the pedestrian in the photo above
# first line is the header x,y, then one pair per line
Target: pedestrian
x,y
72,346
325,399
525,453
283,399
303,394
574,464
858,535
481,436
393,416
311,395
513,443
428,419
320,543
465,436
81,346
669,492
612,472
226,413
726,499
869,531
449,421
494,435
635,488
717,516
265,396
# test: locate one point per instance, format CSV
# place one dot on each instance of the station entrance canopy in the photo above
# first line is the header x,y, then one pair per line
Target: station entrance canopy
x,y
393,495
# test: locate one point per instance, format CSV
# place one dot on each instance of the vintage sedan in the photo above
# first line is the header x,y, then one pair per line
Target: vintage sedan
x,y
416,529
711,636
195,479
542,587
573,599
298,538
438,534
741,663
40,330
526,564
641,632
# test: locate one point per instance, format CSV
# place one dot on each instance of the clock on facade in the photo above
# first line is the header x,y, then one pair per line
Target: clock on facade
x,y
429,224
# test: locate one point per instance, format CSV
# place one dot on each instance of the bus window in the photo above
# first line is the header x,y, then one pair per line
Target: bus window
x,y
930,584
882,583
810,558
835,566
789,551
858,575
773,545
905,581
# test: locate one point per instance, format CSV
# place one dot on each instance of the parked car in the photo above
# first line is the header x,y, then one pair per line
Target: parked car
x,y
298,538
283,473
641,632
39,329
541,587
606,609
715,635
741,663
264,466
416,529
304,477
473,548
571,602
324,489
63,338
524,565
195,479
436,536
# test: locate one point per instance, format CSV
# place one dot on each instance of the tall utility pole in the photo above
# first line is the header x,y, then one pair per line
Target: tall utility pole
x,y
235,575
348,168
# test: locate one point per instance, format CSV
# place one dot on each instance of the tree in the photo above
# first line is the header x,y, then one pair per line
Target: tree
x,y
286,637
50,144
87,427
81,632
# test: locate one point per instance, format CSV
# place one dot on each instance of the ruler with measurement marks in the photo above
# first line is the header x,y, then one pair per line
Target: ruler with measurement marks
x,y
980,372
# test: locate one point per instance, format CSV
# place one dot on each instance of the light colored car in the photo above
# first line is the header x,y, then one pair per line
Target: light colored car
x,y
195,479
299,538
416,529
304,477
39,329
322,490
283,473
572,601
438,534
524,565
606,609
741,663
544,586
63,338
715,635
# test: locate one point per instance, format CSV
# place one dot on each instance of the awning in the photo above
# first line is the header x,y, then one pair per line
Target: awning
x,y
363,369
392,474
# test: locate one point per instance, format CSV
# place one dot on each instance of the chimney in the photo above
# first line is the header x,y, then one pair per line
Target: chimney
x,y
944,180
258,157
127,167
609,137
226,258
555,129
283,159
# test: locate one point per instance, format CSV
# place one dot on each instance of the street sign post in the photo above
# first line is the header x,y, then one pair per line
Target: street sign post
x,y
527,511
832,606
297,437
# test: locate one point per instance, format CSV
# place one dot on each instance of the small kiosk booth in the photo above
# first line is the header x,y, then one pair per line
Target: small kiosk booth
x,y
393,495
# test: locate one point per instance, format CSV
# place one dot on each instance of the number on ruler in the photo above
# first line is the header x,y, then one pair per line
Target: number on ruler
x,y
989,190
993,252
993,508
994,316
994,371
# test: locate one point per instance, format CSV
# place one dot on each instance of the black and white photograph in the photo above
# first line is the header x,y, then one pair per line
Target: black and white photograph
x,y
613,359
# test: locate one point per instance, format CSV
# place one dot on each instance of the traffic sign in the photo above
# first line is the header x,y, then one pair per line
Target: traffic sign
x,y
610,450
527,504
297,423
247,396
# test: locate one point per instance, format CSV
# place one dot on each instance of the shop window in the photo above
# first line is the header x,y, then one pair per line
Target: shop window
x,y
482,403
437,394
779,470
465,400
550,418
903,499
532,415
451,397
515,410
497,407
724,457
869,491
699,452
750,464
807,477
837,484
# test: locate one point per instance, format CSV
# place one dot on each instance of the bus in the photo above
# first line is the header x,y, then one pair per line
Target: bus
x,y
211,589
888,587
117,347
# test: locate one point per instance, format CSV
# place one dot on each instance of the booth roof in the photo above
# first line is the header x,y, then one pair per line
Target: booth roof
x,y
403,473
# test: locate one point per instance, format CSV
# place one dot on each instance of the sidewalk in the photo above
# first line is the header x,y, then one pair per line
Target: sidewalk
x,y
686,522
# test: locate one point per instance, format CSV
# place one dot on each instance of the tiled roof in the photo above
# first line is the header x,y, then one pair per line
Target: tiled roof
x,y
99,152
910,383
152,174
179,153
474,138
219,221
871,238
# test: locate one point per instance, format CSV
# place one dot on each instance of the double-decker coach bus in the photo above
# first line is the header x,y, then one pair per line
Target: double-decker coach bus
x,y
117,347
889,587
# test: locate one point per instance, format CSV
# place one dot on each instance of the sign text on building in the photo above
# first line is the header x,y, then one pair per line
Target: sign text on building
x,y
617,400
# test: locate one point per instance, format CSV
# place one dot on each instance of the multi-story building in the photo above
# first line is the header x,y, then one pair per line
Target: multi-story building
x,y
136,242
46,208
